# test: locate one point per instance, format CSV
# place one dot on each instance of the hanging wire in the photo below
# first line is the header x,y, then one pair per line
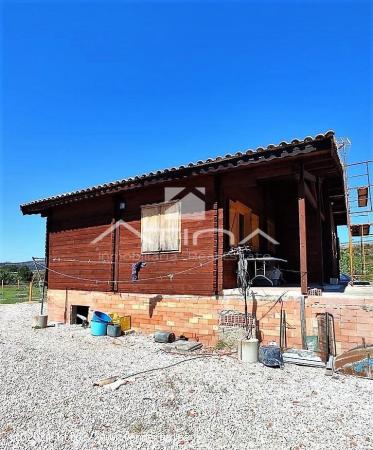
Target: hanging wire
x,y
168,276
92,261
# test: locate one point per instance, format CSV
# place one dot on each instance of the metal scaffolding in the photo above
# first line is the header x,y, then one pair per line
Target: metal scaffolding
x,y
358,196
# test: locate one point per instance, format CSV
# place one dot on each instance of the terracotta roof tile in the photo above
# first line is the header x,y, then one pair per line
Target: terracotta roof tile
x,y
231,160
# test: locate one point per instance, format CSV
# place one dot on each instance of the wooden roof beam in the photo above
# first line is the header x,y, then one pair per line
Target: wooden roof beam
x,y
310,197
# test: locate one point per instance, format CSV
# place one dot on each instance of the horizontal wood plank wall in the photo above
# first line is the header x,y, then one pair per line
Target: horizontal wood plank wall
x,y
72,229
196,279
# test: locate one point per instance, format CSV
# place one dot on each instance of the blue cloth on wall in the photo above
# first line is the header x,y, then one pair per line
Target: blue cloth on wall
x,y
136,267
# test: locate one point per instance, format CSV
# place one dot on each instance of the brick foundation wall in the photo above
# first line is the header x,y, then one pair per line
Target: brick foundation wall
x,y
198,317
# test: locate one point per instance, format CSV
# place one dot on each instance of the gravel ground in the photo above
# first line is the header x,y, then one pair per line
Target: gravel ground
x,y
47,399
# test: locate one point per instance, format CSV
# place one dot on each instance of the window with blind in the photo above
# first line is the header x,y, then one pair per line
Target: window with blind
x,y
160,227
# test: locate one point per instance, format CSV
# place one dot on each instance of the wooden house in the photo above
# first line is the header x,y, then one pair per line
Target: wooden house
x,y
182,222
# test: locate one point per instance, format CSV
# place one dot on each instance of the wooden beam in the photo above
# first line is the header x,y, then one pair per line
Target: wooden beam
x,y
115,255
310,196
302,234
320,219
308,176
218,236
116,259
46,251
337,196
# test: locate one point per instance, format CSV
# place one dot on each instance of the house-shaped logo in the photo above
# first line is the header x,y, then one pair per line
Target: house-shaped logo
x,y
192,200
115,226
259,232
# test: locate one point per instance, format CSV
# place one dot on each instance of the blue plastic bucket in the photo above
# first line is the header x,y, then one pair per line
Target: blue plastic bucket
x,y
98,328
99,316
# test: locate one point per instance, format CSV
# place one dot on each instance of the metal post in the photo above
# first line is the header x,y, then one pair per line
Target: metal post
x,y
362,251
303,321
369,185
41,285
327,336
246,321
347,199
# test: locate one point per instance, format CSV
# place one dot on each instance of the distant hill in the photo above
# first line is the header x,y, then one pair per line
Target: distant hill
x,y
29,264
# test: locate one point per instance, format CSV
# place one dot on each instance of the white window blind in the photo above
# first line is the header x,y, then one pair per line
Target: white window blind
x,y
150,223
160,227
170,227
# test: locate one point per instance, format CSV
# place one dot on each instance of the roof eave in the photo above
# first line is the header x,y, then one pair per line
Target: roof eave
x,y
228,162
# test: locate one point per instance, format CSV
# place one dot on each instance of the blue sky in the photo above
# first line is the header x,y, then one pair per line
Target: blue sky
x,y
93,92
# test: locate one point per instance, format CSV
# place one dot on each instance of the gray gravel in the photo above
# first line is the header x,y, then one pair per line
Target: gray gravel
x,y
47,399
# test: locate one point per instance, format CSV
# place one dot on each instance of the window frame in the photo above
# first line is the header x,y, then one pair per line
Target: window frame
x,y
161,205
241,209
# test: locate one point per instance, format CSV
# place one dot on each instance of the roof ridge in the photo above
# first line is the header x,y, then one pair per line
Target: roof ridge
x,y
199,163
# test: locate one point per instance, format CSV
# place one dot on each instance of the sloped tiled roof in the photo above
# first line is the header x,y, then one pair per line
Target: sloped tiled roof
x,y
282,150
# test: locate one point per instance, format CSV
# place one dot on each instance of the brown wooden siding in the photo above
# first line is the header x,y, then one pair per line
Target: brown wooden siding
x,y
74,227
195,280
272,196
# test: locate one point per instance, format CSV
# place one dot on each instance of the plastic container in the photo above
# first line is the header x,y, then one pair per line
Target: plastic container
x,y
114,330
249,350
123,321
98,328
99,316
164,337
41,321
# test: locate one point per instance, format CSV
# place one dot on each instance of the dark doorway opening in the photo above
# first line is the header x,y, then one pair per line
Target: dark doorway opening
x,y
76,311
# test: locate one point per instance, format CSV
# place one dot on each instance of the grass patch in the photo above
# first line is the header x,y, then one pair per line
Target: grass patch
x,y
13,294
221,345
137,427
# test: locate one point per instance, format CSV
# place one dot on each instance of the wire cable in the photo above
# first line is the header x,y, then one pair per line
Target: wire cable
x,y
92,261
168,276
121,379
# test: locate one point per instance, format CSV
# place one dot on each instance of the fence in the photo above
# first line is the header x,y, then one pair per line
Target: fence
x,y
19,292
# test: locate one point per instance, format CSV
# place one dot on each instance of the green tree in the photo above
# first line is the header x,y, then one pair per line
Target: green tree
x,y
24,274
358,261
8,276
